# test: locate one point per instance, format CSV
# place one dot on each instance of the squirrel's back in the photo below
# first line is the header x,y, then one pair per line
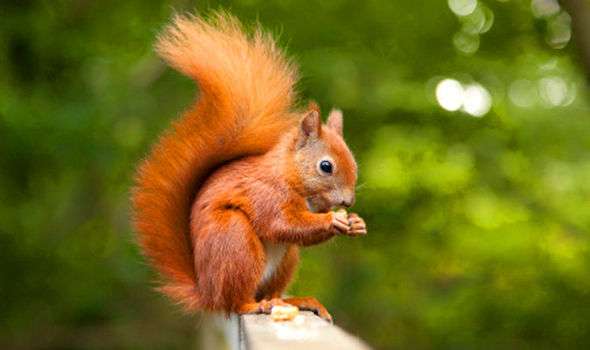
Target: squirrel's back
x,y
244,106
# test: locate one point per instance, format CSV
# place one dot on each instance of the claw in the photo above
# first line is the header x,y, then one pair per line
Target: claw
x,y
357,225
311,304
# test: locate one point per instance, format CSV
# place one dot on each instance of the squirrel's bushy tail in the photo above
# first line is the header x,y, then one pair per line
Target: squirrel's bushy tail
x,y
246,93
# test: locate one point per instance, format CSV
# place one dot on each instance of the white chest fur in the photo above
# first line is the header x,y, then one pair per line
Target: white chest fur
x,y
274,256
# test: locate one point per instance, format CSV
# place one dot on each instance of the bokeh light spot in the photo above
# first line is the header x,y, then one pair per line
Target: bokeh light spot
x,y
466,43
472,99
544,8
553,91
479,21
449,94
559,31
462,7
477,100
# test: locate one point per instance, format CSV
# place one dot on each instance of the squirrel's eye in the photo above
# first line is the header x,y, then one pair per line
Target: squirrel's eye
x,y
326,166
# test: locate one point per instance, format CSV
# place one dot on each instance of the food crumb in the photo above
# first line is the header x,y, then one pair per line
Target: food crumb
x,y
284,312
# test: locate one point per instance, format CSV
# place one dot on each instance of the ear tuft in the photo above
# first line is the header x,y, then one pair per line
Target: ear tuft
x,y
314,106
335,122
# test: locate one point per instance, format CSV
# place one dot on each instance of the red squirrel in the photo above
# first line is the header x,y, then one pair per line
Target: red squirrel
x,y
228,195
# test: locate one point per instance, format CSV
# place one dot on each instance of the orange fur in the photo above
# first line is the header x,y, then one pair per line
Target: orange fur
x,y
236,172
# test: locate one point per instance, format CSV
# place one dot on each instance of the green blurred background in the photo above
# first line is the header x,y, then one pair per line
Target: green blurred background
x,y
470,121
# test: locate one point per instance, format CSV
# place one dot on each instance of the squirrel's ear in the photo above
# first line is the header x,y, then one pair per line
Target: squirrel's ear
x,y
311,126
335,121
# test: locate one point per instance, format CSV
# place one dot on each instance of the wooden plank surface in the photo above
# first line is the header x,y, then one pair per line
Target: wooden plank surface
x,y
306,332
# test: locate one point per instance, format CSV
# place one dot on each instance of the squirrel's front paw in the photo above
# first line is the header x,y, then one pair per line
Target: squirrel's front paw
x,y
357,225
340,222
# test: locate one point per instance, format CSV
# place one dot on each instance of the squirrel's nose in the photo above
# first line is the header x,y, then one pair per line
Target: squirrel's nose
x,y
348,202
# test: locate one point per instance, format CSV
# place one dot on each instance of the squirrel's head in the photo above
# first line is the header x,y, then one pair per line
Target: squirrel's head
x,y
326,167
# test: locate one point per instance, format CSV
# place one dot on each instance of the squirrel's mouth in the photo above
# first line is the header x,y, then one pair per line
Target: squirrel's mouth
x,y
319,204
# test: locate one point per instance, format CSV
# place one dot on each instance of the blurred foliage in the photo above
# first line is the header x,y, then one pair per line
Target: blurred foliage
x,y
479,224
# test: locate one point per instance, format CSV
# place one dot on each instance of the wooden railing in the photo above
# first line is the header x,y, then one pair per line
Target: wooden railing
x,y
259,332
